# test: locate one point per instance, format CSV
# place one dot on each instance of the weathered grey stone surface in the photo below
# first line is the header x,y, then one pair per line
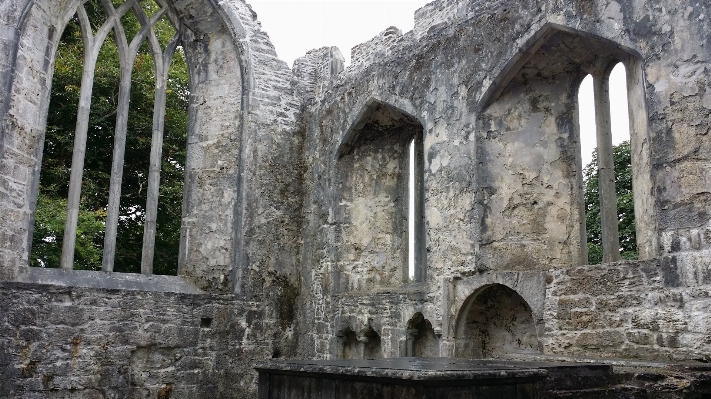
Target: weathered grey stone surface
x,y
294,220
93,343
495,91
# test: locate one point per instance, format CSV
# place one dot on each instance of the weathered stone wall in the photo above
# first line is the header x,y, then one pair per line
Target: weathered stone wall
x,y
88,343
313,72
269,205
275,166
656,310
494,86
116,335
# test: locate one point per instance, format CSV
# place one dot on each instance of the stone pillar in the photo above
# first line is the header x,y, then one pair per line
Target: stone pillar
x,y
606,169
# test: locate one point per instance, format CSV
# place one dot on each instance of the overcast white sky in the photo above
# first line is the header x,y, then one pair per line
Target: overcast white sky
x,y
298,26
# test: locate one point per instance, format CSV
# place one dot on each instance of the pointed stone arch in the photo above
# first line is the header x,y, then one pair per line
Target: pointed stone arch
x,y
215,37
373,164
421,338
530,114
348,347
401,108
372,347
363,344
532,42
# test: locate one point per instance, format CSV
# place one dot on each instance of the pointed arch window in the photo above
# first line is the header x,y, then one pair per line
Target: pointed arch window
x,y
143,32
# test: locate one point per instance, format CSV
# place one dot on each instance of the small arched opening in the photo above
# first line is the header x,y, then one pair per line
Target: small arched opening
x,y
421,338
371,343
495,320
366,344
348,344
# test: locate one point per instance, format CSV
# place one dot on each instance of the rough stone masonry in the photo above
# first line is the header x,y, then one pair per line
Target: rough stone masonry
x,y
295,214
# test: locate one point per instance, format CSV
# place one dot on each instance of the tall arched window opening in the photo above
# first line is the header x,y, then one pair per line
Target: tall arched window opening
x,y
532,179
607,166
381,196
114,151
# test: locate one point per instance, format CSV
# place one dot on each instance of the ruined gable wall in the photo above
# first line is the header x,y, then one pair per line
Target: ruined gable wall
x,y
270,202
442,73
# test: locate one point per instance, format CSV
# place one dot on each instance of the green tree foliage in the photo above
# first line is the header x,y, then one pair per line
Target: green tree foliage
x,y
625,205
58,149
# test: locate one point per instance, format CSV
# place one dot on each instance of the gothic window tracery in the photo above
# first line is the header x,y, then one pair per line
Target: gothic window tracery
x,y
143,31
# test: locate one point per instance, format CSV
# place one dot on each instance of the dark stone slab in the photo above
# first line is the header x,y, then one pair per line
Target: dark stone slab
x,y
435,378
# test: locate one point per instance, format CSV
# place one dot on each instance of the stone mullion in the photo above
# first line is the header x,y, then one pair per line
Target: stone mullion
x,y
92,46
162,61
606,169
127,56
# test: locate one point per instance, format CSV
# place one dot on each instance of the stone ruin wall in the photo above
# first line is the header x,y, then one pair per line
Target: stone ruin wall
x,y
494,87
269,235
91,334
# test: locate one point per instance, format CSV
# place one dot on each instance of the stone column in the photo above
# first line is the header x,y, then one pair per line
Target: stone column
x,y
606,169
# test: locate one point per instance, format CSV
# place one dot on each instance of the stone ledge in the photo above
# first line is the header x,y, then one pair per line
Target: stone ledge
x,y
104,280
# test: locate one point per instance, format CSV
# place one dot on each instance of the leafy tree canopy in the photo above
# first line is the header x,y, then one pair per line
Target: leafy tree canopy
x,y
59,141
625,205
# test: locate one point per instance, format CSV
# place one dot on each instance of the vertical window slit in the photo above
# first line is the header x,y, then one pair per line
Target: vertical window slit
x,y
411,213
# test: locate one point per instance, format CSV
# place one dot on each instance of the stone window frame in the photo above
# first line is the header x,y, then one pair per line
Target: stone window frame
x,y
349,140
610,237
640,161
643,192
128,53
214,32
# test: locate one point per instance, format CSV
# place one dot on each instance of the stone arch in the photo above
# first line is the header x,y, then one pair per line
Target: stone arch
x,y
364,344
348,346
357,119
531,118
372,348
421,338
532,42
218,62
372,204
495,320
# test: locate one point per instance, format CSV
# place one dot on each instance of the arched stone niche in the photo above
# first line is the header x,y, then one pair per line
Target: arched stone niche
x,y
421,338
348,344
495,320
219,78
529,150
366,344
372,200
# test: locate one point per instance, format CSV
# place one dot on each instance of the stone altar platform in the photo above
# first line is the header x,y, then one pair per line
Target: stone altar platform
x,y
422,378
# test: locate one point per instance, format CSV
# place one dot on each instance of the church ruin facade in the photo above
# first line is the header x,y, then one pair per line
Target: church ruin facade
x,y
295,237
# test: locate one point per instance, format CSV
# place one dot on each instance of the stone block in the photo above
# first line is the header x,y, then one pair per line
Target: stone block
x,y
602,340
